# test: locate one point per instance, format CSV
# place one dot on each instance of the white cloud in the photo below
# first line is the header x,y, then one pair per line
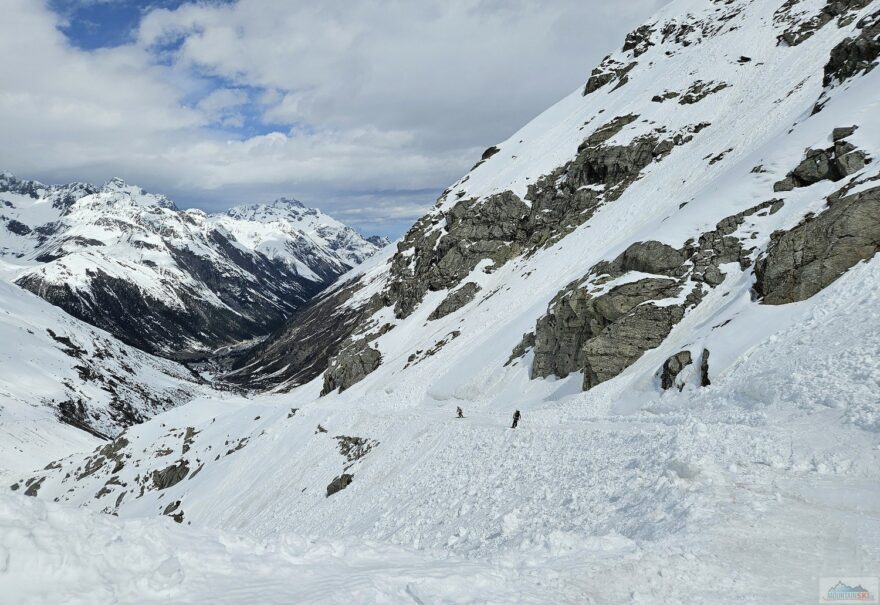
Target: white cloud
x,y
224,106
367,97
449,71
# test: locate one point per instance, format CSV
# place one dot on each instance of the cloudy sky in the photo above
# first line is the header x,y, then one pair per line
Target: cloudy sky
x,y
367,109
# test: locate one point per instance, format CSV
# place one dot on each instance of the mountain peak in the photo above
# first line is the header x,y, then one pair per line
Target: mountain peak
x,y
380,241
137,194
118,184
10,182
287,202
285,215
281,208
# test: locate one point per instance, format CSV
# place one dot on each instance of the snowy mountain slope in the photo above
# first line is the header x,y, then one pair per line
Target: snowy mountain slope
x,y
65,384
169,281
743,223
625,163
758,484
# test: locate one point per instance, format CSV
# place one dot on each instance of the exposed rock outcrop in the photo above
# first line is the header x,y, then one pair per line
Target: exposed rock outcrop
x,y
832,164
622,342
440,251
577,317
527,343
170,475
421,355
339,483
33,486
639,40
699,90
350,366
804,260
646,257
455,300
602,323
113,452
18,227
667,94
672,367
172,511
607,71
855,55
354,448
801,30
486,155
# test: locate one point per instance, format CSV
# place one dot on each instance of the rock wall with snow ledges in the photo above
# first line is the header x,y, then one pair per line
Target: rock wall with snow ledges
x,y
707,111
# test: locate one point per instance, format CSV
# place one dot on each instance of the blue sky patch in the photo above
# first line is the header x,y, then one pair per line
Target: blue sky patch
x,y
92,24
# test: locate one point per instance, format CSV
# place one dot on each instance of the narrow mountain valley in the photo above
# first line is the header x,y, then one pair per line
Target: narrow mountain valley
x,y
177,283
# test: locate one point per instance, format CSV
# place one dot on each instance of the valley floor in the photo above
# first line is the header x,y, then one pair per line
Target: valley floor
x,y
766,554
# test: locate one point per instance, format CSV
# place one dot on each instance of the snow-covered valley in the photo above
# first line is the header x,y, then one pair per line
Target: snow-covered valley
x,y
748,490
672,275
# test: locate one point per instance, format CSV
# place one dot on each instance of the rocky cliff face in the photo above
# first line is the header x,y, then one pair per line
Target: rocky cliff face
x,y
177,283
446,246
350,365
802,261
601,324
801,28
856,54
831,164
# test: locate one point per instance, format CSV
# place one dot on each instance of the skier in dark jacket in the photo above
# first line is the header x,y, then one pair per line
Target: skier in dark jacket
x,y
516,416
459,412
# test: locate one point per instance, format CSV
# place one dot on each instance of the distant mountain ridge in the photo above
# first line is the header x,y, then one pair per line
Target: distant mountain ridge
x,y
174,282
291,215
